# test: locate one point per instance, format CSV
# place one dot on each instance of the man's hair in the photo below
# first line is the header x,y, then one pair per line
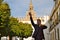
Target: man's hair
x,y
39,20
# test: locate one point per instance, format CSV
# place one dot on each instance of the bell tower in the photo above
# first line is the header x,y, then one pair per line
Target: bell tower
x,y
32,12
31,5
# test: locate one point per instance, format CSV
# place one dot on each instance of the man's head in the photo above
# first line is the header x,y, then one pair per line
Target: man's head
x,y
38,21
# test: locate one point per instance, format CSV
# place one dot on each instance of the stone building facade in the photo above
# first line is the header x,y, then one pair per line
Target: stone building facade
x,y
54,22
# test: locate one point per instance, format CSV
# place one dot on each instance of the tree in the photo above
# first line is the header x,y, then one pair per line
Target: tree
x,y
22,30
4,18
26,30
12,24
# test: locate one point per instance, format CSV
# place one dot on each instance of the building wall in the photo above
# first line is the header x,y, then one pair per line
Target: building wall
x,y
52,35
46,31
57,32
55,22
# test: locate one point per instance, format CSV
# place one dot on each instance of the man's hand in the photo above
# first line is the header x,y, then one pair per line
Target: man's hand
x,y
30,14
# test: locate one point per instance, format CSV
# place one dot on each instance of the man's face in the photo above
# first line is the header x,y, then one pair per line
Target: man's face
x,y
38,21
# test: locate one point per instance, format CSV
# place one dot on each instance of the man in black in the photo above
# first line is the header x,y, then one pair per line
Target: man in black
x,y
38,33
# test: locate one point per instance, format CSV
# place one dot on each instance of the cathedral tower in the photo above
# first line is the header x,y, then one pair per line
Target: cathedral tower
x,y
32,12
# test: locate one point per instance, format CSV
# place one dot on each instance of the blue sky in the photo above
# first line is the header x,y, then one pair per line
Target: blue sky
x,y
19,7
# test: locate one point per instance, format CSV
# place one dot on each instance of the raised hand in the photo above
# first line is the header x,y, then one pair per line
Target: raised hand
x,y
30,14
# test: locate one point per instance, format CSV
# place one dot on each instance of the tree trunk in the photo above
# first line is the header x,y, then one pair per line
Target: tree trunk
x,y
21,38
0,37
10,38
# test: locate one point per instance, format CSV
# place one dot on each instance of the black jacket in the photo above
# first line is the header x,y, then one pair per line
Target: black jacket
x,y
38,33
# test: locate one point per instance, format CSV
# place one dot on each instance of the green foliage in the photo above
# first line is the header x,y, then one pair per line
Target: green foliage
x,y
20,29
13,25
4,18
26,30
4,14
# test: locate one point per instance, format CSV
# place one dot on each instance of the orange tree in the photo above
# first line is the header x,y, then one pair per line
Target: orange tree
x,y
22,30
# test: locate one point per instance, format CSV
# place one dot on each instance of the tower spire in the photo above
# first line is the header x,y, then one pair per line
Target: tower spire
x,y
30,6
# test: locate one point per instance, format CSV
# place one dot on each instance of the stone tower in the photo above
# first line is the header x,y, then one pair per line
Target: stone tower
x,y
32,12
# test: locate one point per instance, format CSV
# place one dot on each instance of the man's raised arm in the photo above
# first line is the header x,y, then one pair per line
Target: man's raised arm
x,y
31,18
